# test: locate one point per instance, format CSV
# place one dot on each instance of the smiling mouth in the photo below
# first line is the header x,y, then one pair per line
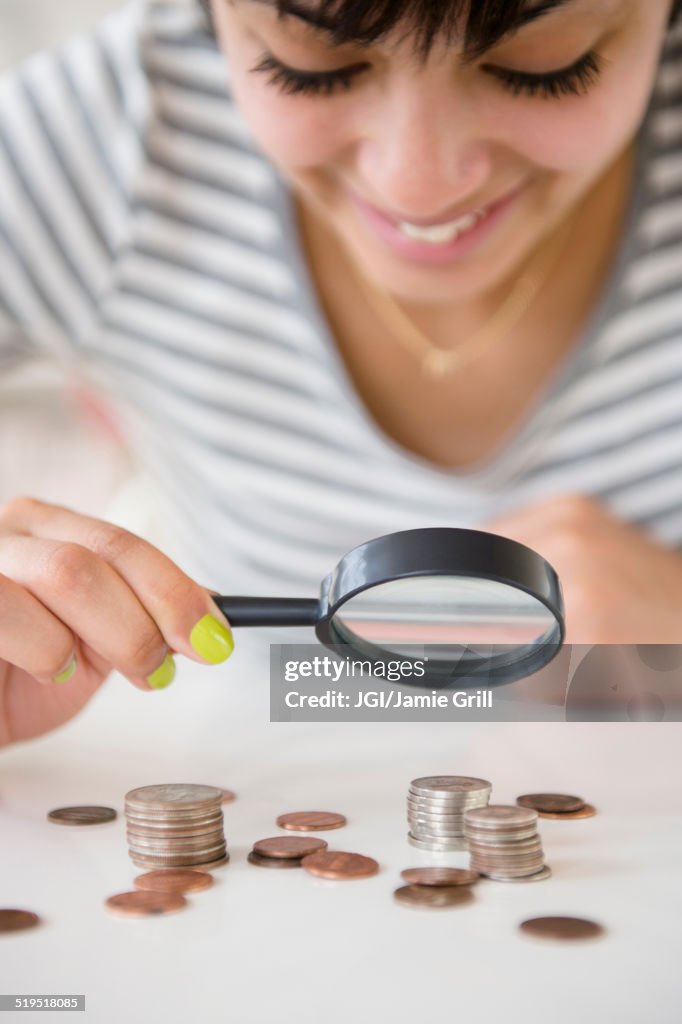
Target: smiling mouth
x,y
444,232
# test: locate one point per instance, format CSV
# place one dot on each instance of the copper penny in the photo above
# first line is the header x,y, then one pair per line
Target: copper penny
x,y
274,862
142,903
17,920
174,880
552,803
588,811
561,928
85,815
228,796
440,876
288,846
433,896
339,864
311,821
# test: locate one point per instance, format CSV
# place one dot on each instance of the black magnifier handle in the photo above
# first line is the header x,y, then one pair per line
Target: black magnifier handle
x,y
269,611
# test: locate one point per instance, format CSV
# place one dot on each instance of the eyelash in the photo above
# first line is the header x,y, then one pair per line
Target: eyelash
x,y
574,80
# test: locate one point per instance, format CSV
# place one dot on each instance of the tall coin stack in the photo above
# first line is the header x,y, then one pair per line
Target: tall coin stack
x,y
175,826
436,806
504,842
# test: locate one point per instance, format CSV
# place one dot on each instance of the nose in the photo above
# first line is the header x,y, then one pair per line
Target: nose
x,y
419,151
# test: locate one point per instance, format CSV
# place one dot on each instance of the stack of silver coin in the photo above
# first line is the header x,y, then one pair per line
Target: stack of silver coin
x,y
176,825
504,842
436,806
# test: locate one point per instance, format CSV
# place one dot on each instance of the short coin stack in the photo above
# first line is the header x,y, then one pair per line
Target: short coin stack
x,y
176,825
504,843
435,810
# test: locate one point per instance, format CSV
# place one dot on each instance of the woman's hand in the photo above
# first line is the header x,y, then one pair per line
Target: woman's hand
x,y
80,597
620,586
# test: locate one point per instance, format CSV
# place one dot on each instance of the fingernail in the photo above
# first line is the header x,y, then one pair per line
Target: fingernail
x,y
212,640
66,674
164,674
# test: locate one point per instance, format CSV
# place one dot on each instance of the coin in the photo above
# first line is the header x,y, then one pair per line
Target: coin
x,y
339,864
289,846
588,811
150,863
554,803
449,784
310,821
431,896
142,903
561,928
175,880
538,876
439,876
274,862
500,816
85,815
170,795
228,796
17,920
437,845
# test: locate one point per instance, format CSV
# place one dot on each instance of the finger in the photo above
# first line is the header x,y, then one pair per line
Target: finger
x,y
92,600
32,638
184,612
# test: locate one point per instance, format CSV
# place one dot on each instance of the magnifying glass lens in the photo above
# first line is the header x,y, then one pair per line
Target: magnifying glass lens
x,y
452,612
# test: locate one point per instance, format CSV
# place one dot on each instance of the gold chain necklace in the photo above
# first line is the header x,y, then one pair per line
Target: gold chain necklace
x,y
438,363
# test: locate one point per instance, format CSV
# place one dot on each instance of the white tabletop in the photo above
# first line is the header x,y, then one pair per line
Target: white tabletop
x,y
281,945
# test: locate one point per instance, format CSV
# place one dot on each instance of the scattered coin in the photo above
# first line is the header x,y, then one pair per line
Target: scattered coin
x,y
339,864
588,811
289,846
440,876
310,821
432,896
561,928
143,903
274,862
17,920
554,803
85,815
228,796
174,880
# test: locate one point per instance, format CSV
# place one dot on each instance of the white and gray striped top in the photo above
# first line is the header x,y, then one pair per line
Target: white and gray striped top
x,y
148,242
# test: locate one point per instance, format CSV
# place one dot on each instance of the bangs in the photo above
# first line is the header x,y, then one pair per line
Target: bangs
x,y
367,22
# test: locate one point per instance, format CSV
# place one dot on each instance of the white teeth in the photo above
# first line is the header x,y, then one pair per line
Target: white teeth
x,y
441,233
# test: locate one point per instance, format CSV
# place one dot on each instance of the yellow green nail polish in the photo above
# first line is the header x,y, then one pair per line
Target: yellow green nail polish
x,y
164,674
62,677
211,640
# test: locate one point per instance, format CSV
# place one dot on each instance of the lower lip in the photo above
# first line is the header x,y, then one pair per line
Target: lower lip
x,y
423,252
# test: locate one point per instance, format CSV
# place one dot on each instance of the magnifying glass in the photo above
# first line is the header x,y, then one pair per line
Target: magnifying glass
x,y
472,606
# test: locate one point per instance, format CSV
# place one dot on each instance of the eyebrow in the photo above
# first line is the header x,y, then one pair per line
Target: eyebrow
x,y
319,21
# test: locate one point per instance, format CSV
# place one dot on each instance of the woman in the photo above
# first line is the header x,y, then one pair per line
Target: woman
x,y
346,267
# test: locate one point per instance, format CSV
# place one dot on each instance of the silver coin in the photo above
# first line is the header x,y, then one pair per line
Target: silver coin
x,y
171,833
501,815
501,838
435,844
205,865
450,783
168,852
199,843
539,876
172,795
176,862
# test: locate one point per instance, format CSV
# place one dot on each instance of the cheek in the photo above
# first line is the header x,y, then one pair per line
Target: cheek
x,y
579,135
294,132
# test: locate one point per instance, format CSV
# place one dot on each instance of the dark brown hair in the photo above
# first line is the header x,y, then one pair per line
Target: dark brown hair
x,y
368,21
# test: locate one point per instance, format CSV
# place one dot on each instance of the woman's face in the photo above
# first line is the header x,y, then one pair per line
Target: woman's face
x,y
442,176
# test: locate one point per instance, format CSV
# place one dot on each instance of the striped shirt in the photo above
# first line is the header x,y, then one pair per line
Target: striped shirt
x,y
146,242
